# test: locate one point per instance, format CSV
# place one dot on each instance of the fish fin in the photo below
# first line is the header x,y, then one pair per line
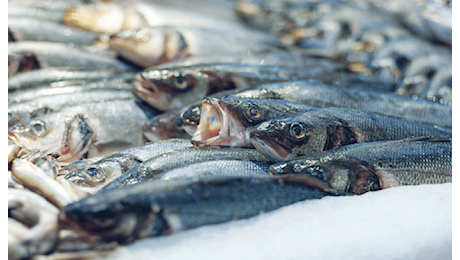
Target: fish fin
x,y
310,180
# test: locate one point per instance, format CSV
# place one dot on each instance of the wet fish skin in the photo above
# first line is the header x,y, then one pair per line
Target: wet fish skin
x,y
155,208
215,168
22,113
228,120
181,158
92,177
92,127
358,168
440,88
327,128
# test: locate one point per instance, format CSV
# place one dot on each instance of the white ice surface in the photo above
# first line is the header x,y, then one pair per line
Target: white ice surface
x,y
411,222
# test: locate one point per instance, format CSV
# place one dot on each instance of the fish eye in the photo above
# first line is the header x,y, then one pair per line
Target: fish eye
x,y
38,128
253,112
180,122
180,82
92,171
297,131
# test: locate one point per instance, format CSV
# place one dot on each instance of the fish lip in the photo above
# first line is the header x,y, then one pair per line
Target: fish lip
x,y
151,93
231,131
269,147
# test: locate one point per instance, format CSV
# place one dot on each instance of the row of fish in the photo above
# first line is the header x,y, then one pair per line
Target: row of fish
x,y
251,125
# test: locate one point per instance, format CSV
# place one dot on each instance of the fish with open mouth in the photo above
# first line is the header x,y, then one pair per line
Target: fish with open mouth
x,y
157,208
327,128
95,128
229,120
92,177
363,167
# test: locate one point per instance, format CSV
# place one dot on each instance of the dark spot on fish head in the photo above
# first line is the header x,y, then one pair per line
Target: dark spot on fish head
x,y
345,30
179,122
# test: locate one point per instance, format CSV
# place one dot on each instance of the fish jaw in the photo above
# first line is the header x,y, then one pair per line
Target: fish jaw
x,y
218,127
151,93
269,146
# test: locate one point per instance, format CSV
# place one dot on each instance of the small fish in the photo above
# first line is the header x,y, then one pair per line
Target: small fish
x,y
92,177
93,127
327,128
229,120
181,158
201,170
23,113
41,235
49,54
157,208
35,179
359,168
151,46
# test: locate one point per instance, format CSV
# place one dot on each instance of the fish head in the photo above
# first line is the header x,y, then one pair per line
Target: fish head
x,y
287,138
325,170
149,47
71,135
170,89
220,125
191,119
95,176
98,17
165,126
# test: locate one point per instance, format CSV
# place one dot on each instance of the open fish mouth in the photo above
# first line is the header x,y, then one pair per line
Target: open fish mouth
x,y
218,127
269,147
151,93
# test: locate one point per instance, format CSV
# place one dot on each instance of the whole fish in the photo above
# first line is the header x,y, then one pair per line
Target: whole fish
x,y
229,120
92,177
97,128
41,77
327,128
22,113
171,88
48,54
32,29
157,208
181,158
215,168
358,168
150,46
317,94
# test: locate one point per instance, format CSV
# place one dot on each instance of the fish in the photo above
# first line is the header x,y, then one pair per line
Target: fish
x,y
165,126
49,54
362,167
93,128
327,128
23,113
168,89
93,176
35,179
157,208
181,158
41,30
215,168
151,46
229,120
41,236
440,88
40,77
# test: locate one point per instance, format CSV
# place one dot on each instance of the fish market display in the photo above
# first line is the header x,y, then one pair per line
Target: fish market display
x,y
363,167
129,120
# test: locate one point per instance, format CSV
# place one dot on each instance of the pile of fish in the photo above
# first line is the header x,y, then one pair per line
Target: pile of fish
x,y
140,119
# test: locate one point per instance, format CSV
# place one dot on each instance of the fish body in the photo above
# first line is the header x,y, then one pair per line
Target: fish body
x,y
358,168
327,128
183,157
22,113
156,207
95,128
215,168
228,120
94,176
47,54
